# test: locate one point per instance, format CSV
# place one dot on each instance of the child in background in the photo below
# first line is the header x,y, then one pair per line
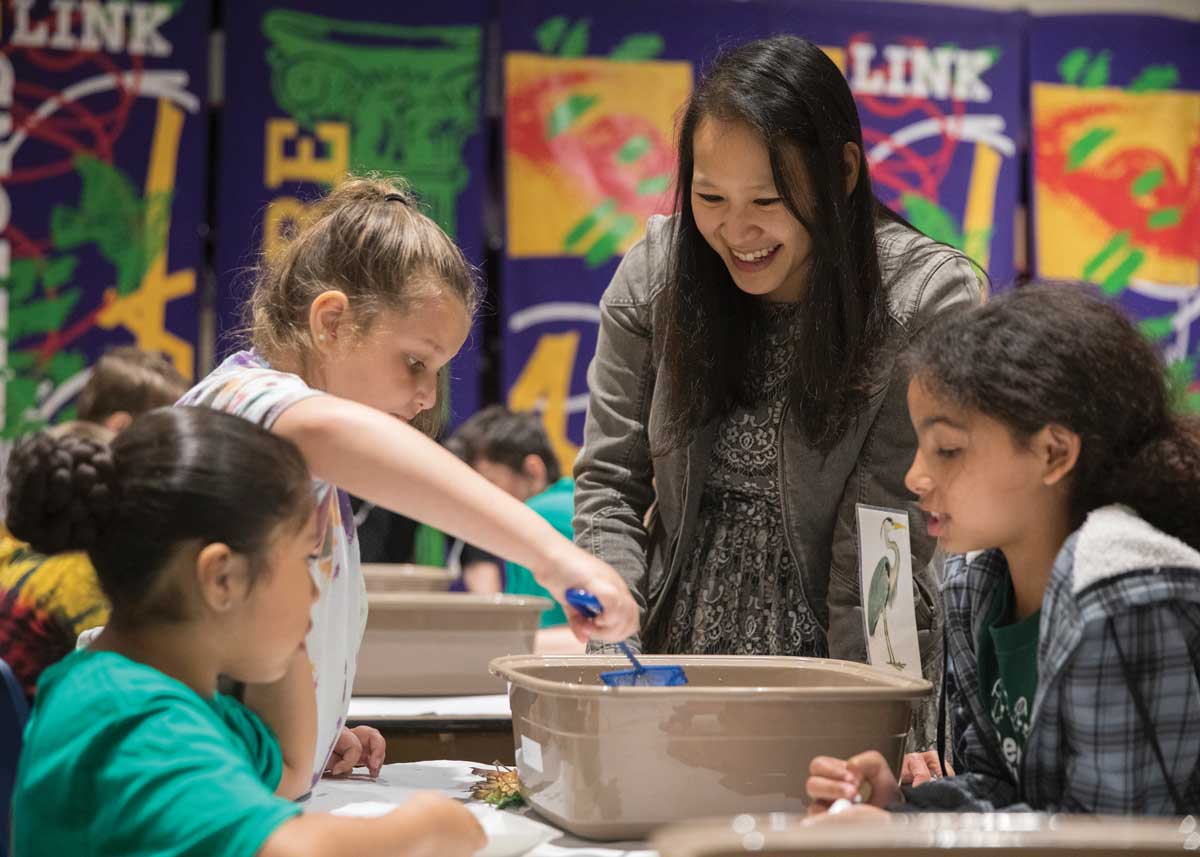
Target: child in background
x,y
125,383
1046,441
200,526
351,325
476,571
513,452
47,600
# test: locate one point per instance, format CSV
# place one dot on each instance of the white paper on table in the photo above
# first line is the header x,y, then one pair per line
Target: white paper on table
x,y
508,834
382,707
885,562
399,781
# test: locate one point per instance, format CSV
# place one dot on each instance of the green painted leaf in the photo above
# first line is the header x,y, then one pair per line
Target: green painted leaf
x,y
638,46
633,148
1116,282
550,33
64,365
21,360
20,398
1147,181
59,271
1165,218
610,241
1158,328
129,230
588,222
1155,77
1085,145
1071,66
22,280
576,42
1097,71
40,316
932,219
1180,376
1117,243
653,185
564,115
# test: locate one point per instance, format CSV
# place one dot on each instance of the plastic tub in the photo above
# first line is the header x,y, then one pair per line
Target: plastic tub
x,y
404,577
440,643
931,835
616,762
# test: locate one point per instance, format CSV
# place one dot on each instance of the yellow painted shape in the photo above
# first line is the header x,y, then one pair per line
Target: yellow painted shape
x,y
545,201
305,165
143,312
838,55
283,214
1069,233
981,197
545,383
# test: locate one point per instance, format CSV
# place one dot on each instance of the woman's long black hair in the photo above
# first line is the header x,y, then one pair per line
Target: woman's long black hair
x,y
798,102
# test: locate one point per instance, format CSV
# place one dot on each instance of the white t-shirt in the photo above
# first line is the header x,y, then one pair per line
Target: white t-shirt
x,y
245,385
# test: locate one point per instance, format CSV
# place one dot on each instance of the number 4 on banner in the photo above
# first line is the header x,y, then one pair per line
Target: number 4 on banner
x,y
545,385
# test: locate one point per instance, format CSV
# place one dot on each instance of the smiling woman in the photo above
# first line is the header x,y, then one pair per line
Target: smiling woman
x,y
745,381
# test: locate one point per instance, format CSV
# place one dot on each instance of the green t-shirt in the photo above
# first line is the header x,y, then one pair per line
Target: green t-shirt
x,y
1008,671
121,760
557,505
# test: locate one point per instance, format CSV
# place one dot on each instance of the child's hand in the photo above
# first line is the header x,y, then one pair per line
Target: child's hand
x,y
920,768
574,568
852,815
452,830
836,779
359,747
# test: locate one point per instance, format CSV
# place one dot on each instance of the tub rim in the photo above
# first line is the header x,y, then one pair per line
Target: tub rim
x,y
895,687
461,601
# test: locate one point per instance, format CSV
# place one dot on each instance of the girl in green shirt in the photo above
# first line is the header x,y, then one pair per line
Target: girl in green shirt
x,y
200,526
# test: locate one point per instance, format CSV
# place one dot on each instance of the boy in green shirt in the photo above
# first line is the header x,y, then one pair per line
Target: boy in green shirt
x,y
513,451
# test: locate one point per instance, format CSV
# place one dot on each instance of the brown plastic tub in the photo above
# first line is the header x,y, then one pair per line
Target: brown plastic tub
x,y
403,577
440,643
616,762
931,835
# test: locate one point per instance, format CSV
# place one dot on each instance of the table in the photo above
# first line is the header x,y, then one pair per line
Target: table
x,y
439,727
397,782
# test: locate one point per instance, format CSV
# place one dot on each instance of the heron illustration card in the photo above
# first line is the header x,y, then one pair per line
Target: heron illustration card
x,y
885,573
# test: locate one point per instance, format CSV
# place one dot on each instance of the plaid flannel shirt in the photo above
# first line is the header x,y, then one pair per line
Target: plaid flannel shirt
x,y
1087,750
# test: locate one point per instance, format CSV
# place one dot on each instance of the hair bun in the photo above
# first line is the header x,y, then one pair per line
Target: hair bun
x,y
60,491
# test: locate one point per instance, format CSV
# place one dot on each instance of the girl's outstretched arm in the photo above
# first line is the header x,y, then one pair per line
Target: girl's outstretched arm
x,y
378,458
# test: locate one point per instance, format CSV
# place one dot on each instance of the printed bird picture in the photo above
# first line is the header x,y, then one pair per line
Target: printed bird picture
x,y
884,583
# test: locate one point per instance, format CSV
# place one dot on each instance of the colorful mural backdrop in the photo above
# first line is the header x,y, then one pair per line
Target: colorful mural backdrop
x,y
319,89
102,190
590,103
1116,170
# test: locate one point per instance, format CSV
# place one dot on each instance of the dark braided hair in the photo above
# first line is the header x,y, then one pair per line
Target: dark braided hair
x,y
60,487
1056,354
175,476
